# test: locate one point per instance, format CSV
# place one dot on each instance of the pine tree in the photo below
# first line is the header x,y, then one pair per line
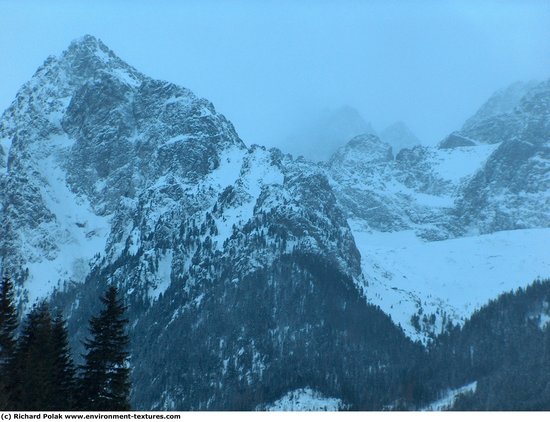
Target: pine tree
x,y
8,326
31,383
105,381
8,323
41,373
63,370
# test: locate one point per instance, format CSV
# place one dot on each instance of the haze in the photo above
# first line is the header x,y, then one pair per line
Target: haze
x,y
274,67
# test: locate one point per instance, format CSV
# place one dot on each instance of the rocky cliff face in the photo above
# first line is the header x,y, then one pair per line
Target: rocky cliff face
x,y
501,118
512,191
490,176
87,135
414,191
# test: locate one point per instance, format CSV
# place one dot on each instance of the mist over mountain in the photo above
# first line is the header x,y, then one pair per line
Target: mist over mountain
x,y
255,278
321,136
399,136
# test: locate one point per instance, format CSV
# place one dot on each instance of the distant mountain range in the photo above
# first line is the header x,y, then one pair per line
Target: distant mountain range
x,y
317,139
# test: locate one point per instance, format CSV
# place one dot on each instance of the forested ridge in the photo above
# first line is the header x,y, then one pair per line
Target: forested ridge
x,y
504,347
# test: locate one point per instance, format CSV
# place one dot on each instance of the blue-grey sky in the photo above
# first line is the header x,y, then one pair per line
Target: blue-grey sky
x,y
268,65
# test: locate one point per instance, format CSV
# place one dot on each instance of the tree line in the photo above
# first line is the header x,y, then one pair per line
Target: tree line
x,y
37,371
505,347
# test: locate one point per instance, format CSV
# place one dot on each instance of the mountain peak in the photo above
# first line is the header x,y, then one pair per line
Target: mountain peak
x,y
89,47
399,136
365,148
363,140
501,102
89,41
87,57
520,110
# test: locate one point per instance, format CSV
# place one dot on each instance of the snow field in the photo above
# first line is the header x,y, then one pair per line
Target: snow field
x,y
453,277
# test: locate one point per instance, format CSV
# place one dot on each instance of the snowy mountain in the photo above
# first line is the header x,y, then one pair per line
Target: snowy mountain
x,y
266,281
501,102
431,204
501,118
399,136
415,209
244,253
513,189
85,136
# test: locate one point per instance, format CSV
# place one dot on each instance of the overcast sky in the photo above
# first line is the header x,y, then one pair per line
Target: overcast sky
x,y
268,65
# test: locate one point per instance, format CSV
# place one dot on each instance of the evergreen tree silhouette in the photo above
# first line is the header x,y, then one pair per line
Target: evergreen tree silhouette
x,y
31,384
8,323
105,381
8,326
63,370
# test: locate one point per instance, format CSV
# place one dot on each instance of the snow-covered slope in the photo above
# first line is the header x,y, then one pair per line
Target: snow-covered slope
x,y
446,281
512,191
517,109
417,219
